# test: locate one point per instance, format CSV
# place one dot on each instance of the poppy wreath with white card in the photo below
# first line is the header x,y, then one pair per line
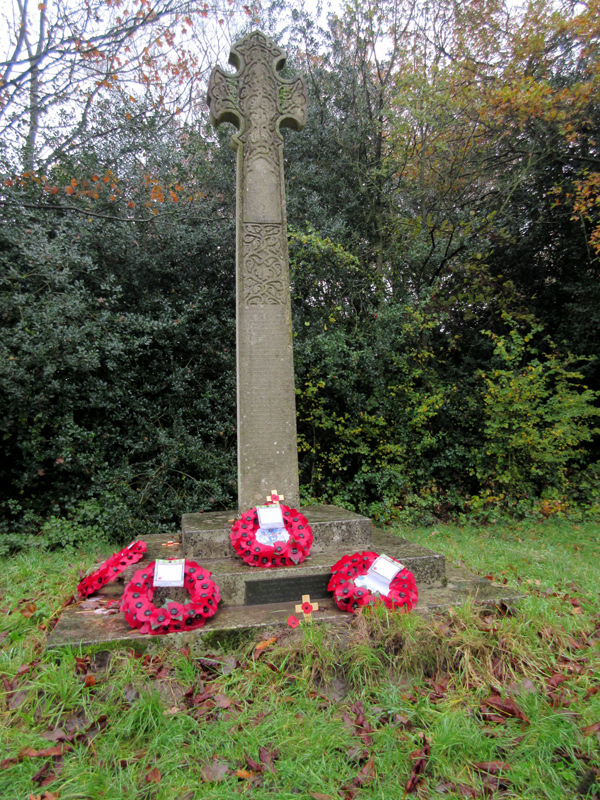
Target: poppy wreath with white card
x,y
350,592
140,612
281,546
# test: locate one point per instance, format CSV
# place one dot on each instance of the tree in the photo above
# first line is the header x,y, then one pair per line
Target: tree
x,y
63,56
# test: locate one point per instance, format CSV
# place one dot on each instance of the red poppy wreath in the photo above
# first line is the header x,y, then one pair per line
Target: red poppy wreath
x,y
140,612
349,596
292,549
112,568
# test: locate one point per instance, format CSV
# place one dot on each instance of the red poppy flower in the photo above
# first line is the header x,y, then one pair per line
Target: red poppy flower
x,y
159,618
306,608
293,621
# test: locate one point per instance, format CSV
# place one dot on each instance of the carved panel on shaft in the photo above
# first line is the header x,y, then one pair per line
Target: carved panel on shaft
x,y
264,272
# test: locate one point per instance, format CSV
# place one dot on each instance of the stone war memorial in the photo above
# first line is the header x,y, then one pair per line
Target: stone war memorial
x,y
258,102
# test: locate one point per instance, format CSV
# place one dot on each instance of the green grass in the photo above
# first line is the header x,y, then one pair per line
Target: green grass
x,y
149,739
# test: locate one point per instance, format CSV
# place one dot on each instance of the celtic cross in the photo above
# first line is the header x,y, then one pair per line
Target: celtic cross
x,y
259,102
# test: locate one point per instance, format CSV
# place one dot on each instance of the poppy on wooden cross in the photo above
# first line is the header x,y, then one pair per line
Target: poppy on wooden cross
x,y
306,607
274,497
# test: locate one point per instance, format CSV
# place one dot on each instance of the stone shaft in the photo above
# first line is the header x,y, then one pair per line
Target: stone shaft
x,y
258,102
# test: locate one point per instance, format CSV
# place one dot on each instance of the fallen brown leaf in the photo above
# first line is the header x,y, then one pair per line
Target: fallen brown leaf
x,y
223,702
228,665
556,679
420,758
358,754
215,772
591,729
48,773
56,750
591,692
268,757
262,646
366,775
16,699
505,705
244,774
90,680
82,664
490,767
494,783
153,775
57,735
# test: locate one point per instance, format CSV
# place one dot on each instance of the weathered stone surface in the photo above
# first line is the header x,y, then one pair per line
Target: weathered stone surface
x,y
206,536
241,584
427,567
105,632
259,102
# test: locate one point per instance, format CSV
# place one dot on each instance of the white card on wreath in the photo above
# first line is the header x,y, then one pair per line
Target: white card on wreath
x,y
270,516
381,573
169,573
387,567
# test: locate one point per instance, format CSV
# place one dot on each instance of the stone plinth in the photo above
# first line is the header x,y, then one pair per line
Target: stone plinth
x,y
241,584
206,536
88,631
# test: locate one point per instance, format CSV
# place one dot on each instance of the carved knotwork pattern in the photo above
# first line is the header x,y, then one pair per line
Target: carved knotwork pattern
x,y
264,273
222,92
293,101
257,97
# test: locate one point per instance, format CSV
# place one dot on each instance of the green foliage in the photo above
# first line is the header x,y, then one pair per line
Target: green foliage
x,y
430,198
537,418
381,422
116,372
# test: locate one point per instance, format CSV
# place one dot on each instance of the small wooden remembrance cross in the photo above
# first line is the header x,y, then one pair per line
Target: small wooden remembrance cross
x,y
259,102
306,607
275,498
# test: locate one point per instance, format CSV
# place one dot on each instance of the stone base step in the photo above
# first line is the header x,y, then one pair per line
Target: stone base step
x,y
241,584
84,629
244,585
334,529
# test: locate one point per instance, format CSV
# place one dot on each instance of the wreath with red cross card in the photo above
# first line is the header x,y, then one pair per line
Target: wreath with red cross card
x,y
349,595
112,568
140,612
288,545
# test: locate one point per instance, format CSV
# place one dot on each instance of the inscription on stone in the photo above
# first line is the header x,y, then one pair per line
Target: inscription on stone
x,y
279,590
